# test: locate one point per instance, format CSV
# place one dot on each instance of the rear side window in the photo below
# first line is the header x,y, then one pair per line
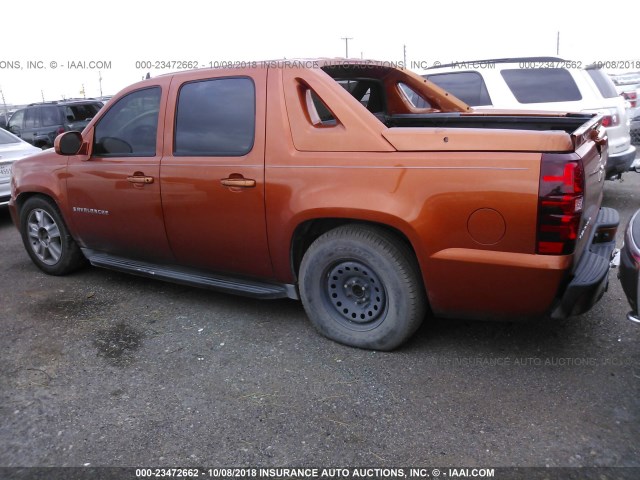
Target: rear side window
x,y
216,118
50,116
130,126
32,118
81,112
467,86
605,85
541,85
414,98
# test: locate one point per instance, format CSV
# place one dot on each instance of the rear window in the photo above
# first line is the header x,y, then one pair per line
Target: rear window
x,y
368,92
541,85
467,86
81,112
605,86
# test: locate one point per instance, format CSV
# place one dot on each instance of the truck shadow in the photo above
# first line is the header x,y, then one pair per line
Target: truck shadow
x,y
5,218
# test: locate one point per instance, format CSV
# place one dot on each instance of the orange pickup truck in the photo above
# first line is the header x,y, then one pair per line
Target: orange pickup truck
x,y
320,180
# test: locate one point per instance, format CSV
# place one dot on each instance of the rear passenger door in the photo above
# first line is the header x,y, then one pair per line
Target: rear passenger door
x,y
212,172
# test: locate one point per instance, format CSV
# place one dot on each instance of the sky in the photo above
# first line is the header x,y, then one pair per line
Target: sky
x,y
101,47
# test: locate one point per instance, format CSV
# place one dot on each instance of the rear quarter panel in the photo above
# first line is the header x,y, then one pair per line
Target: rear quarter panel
x,y
470,216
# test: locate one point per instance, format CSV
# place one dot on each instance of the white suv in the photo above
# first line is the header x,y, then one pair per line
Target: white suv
x,y
543,83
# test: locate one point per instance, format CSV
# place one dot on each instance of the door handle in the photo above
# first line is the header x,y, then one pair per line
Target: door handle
x,y
140,179
238,182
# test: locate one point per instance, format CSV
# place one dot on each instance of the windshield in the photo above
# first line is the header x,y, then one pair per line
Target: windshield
x,y
6,138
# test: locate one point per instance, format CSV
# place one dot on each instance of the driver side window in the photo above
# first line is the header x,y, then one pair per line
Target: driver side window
x,y
129,128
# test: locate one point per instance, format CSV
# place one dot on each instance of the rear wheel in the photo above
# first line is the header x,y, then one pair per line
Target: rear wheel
x,y
360,286
46,238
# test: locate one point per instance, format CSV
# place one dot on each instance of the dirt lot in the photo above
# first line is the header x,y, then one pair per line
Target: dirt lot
x,y
106,369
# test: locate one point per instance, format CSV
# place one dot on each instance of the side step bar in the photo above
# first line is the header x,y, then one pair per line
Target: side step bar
x,y
193,277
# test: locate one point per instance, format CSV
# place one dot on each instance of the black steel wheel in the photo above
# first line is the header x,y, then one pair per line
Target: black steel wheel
x,y
360,286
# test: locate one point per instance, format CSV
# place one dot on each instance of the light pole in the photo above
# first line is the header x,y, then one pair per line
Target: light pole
x,y
346,45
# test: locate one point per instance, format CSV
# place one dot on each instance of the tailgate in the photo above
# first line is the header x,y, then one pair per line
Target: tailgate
x,y
590,143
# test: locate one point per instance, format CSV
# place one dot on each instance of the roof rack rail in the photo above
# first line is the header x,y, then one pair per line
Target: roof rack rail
x,y
54,102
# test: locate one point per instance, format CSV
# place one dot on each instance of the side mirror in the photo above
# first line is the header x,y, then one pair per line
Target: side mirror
x,y
68,143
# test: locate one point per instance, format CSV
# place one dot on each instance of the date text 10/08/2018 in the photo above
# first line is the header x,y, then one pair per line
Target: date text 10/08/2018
x,y
320,473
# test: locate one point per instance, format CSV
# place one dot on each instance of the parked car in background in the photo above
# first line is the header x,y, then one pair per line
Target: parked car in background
x,y
40,123
634,127
629,272
11,149
543,83
4,118
628,86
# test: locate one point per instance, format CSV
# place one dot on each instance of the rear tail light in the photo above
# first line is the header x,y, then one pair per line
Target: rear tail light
x,y
610,120
60,130
560,202
632,98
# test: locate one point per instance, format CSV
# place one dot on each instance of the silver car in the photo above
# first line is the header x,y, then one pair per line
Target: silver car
x,y
11,149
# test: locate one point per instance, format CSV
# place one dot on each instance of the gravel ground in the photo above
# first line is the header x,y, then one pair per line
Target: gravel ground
x,y
107,369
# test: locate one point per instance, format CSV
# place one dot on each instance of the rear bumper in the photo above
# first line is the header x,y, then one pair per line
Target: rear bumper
x,y
591,275
620,162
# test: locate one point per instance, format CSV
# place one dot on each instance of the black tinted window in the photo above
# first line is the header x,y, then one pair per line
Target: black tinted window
x,y
50,116
32,118
216,117
541,85
130,126
81,112
603,82
467,86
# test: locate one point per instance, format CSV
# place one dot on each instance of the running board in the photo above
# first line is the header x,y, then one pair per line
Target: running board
x,y
192,277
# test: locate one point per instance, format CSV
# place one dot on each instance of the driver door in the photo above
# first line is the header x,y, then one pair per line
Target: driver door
x,y
114,193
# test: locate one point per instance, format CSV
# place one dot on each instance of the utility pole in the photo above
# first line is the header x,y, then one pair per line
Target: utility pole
x,y
558,44
346,45
42,93
100,81
404,48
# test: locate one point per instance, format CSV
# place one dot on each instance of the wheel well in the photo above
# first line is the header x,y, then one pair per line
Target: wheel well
x,y
23,197
306,233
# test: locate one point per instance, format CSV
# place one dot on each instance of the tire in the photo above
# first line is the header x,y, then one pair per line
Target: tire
x,y
47,239
360,286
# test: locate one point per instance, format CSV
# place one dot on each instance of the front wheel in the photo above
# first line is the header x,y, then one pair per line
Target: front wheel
x,y
360,286
46,238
